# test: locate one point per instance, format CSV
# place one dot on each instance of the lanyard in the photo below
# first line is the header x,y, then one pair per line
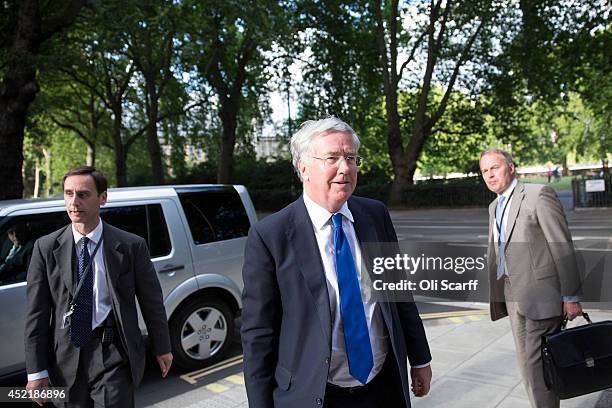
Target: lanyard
x,y
499,226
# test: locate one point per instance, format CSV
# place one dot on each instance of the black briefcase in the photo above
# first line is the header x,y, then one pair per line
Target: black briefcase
x,y
578,361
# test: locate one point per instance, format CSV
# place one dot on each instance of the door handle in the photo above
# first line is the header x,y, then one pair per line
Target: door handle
x,y
171,268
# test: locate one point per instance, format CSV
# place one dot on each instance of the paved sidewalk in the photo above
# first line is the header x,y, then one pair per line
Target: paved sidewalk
x,y
474,366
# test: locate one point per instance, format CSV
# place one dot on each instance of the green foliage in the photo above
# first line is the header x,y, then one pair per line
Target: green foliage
x,y
537,69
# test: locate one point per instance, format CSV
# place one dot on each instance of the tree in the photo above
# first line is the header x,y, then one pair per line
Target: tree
x,y
29,24
151,46
228,42
449,39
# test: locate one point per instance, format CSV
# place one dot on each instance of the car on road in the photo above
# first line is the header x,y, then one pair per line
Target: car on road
x,y
196,236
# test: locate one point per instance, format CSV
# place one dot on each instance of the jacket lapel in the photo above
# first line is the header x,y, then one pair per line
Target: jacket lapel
x,y
304,244
517,199
368,238
63,255
364,226
113,256
492,207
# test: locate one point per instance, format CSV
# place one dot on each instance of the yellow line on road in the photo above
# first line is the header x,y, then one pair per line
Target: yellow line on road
x,y
456,319
217,388
236,379
454,313
192,377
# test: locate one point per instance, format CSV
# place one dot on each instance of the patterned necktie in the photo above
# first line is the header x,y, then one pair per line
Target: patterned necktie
x,y
80,325
501,229
356,336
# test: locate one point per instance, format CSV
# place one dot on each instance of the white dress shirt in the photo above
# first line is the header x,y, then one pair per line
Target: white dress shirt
x,y
338,370
507,193
101,301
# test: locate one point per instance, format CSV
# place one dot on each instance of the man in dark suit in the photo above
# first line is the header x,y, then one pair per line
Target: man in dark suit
x,y
311,334
533,273
98,351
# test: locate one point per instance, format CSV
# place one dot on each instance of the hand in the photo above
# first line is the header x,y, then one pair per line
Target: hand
x,y
164,361
38,384
571,310
421,380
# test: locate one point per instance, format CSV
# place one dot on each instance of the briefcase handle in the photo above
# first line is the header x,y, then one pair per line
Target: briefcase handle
x,y
584,314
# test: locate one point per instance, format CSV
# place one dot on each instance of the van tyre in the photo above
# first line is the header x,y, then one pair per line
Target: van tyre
x,y
201,333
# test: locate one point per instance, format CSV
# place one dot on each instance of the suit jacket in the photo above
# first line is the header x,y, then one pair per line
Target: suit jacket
x,y
286,318
51,283
539,253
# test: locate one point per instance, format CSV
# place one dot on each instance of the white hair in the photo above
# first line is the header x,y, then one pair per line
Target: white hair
x,y
301,141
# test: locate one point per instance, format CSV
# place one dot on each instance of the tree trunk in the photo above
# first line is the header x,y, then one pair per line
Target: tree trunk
x,y
229,118
152,139
565,170
120,153
91,155
396,149
48,181
36,192
17,91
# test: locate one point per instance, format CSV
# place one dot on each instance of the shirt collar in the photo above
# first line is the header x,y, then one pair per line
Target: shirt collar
x,y
94,235
510,188
320,216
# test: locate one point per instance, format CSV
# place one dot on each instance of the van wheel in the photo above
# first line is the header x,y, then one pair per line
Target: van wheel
x,y
200,333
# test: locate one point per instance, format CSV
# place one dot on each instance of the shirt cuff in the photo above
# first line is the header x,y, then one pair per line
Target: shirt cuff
x,y
421,365
571,299
39,375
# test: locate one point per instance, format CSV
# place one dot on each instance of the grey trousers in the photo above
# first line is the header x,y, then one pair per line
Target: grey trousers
x,y
103,378
527,339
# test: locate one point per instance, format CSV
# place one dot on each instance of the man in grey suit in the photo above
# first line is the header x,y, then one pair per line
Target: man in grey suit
x,y
94,348
533,273
311,335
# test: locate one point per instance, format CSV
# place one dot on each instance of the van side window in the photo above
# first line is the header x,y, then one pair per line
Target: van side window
x,y
146,221
17,237
214,214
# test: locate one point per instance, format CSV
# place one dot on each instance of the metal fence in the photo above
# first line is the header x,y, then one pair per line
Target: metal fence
x,y
592,191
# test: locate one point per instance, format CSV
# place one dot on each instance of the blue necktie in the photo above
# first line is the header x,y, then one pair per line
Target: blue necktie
x,y
356,336
499,219
80,321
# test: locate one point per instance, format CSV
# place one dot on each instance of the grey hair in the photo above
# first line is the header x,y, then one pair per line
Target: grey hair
x,y
507,157
301,141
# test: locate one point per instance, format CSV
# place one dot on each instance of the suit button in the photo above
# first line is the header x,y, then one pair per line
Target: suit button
x,y
327,361
319,401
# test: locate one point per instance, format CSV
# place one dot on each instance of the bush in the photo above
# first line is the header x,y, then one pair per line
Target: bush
x,y
273,185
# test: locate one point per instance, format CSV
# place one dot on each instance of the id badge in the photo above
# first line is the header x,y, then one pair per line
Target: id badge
x,y
66,319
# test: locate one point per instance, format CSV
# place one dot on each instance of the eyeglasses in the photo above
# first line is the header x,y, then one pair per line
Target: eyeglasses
x,y
331,161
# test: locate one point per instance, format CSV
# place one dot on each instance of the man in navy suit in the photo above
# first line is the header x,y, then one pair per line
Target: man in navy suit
x,y
311,334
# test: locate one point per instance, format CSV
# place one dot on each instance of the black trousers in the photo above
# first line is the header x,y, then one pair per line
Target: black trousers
x,y
383,391
103,377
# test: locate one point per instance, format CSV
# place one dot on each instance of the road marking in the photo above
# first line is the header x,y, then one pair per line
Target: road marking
x,y
454,313
192,377
455,319
235,379
475,318
216,387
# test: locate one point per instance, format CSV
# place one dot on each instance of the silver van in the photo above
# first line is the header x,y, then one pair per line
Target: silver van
x,y
196,236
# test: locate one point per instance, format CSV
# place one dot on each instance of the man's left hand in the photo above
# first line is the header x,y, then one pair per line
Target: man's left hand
x,y
421,380
164,361
571,310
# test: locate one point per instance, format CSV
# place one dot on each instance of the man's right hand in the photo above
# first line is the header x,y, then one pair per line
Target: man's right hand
x,y
38,384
